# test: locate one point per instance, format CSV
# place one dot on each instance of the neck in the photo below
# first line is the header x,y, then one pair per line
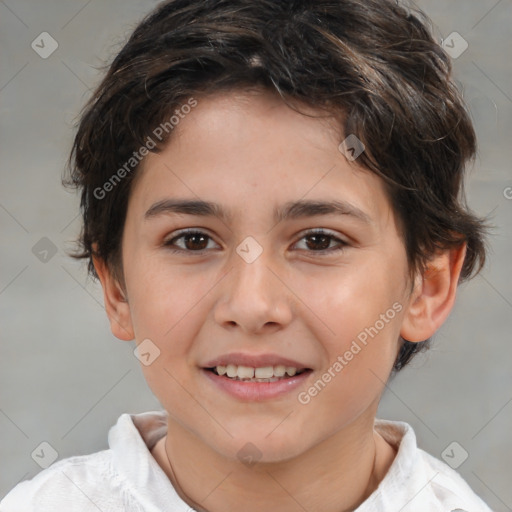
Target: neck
x,y
336,475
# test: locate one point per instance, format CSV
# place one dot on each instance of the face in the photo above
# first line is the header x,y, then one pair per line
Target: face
x,y
263,276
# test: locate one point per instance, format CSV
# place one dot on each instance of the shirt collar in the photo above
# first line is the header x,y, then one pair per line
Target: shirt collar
x,y
406,482
131,441
134,435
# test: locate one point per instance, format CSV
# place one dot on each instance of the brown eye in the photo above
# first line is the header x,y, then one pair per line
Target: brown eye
x,y
197,241
318,242
189,241
321,241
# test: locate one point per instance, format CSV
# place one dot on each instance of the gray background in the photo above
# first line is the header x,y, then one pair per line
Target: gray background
x,y
65,379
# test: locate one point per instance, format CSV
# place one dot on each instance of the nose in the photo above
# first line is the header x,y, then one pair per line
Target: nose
x,y
253,299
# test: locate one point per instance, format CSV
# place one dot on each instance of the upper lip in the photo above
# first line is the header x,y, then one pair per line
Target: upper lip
x,y
254,361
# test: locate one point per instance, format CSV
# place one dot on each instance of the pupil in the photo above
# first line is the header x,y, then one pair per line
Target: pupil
x,y
323,239
195,245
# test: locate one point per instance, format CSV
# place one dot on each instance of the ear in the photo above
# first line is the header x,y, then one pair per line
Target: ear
x,y
116,304
433,295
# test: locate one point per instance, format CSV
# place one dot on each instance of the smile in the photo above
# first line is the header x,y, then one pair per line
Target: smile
x,y
260,374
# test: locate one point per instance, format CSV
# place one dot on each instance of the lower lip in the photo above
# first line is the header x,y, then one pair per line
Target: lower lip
x,y
257,391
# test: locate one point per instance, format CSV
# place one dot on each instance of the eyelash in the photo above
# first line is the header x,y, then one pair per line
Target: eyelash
x,y
323,252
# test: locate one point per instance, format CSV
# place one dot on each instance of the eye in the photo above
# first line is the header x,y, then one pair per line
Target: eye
x,y
189,241
320,241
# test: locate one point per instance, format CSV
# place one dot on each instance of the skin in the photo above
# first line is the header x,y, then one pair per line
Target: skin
x,y
249,152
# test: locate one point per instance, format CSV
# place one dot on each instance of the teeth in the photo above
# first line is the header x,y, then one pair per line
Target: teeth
x,y
245,372
264,373
279,371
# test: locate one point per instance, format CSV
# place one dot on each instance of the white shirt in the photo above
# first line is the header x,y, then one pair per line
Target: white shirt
x,y
126,477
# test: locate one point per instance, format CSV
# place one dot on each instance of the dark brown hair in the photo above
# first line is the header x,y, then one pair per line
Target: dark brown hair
x,y
372,63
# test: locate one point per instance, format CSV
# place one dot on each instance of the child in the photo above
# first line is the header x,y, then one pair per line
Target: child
x,y
271,197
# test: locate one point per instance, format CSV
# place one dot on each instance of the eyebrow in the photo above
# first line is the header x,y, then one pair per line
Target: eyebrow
x,y
290,210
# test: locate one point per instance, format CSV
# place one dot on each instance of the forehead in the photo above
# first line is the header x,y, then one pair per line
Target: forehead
x,y
248,151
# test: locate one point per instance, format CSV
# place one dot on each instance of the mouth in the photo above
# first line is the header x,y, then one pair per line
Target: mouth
x,y
256,374
256,377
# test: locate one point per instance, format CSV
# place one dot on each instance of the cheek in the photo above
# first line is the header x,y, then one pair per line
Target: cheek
x,y
357,319
169,308
165,304
345,301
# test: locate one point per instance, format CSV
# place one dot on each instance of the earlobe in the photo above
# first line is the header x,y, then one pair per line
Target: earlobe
x,y
433,296
116,303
